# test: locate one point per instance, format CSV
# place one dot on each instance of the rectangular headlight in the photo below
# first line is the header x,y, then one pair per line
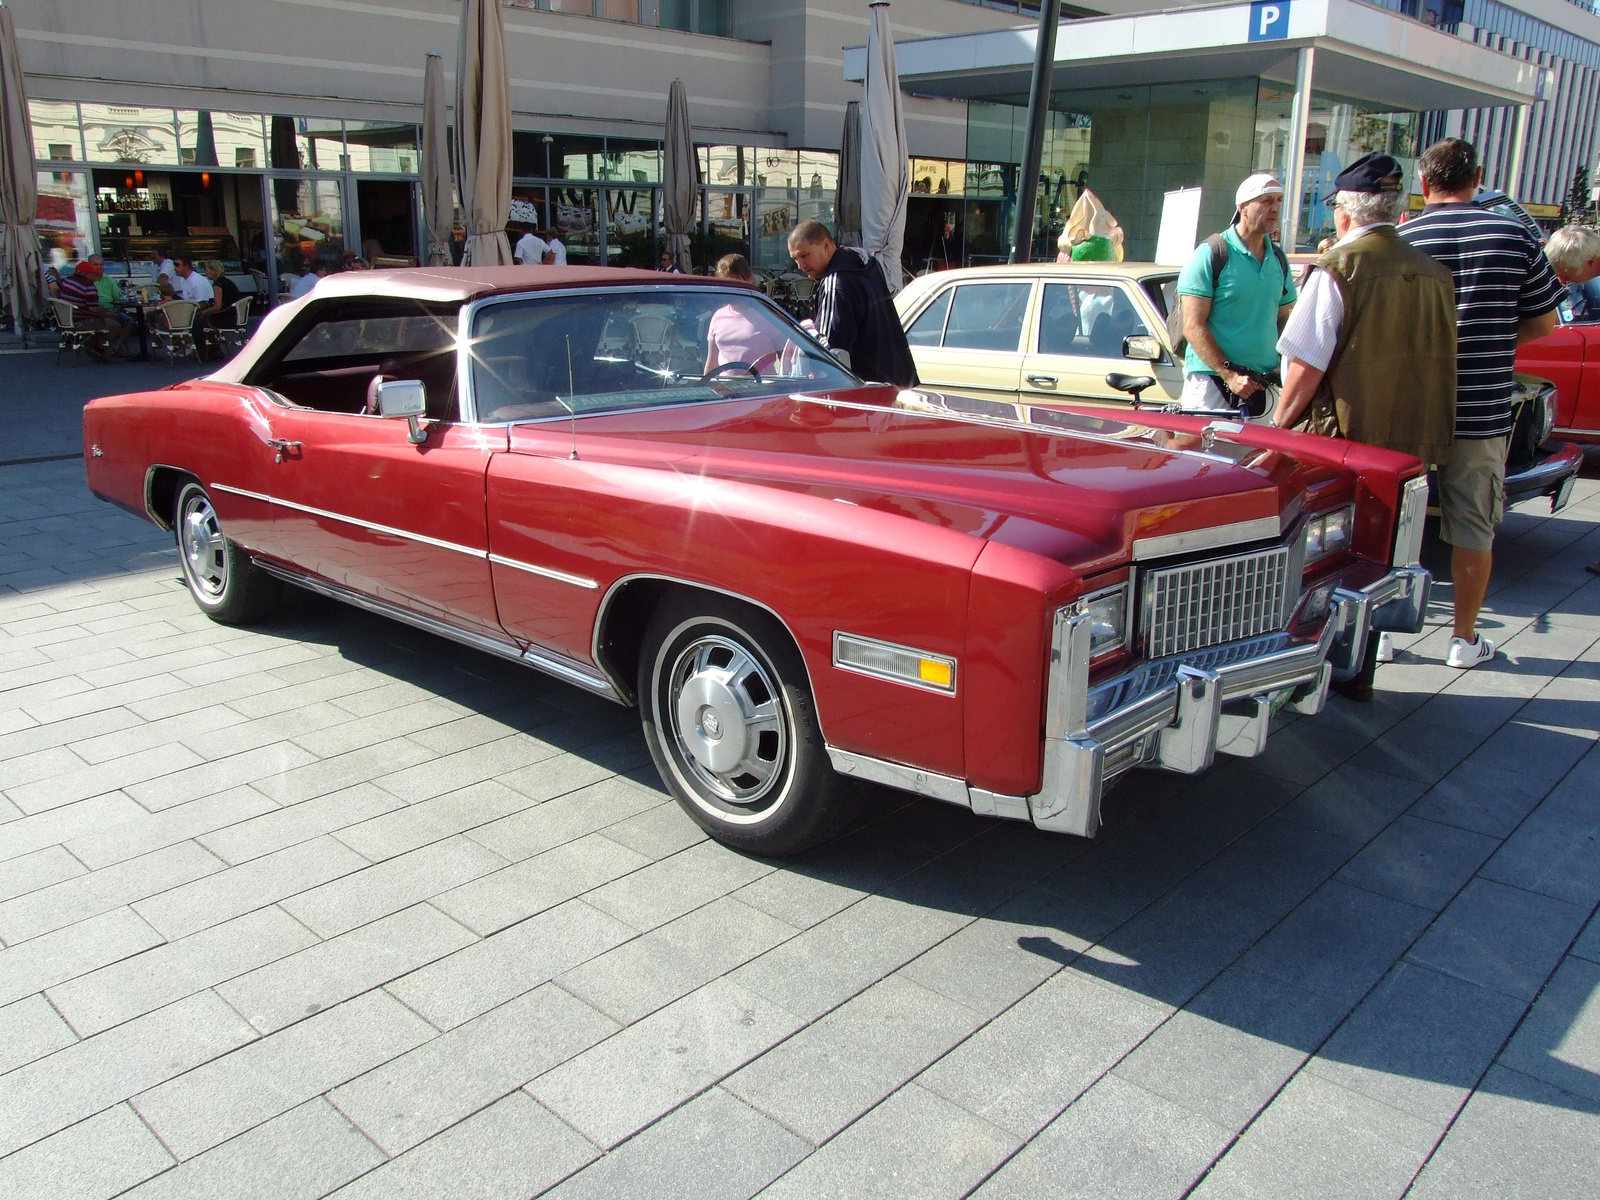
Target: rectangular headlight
x,y
1328,533
897,664
1413,513
1108,618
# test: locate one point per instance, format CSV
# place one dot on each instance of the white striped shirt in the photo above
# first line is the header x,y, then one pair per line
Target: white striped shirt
x,y
1502,278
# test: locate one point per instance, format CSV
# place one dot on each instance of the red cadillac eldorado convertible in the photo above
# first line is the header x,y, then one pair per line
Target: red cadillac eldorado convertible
x,y
796,576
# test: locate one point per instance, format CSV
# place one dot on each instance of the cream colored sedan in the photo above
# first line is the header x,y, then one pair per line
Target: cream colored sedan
x,y
1039,332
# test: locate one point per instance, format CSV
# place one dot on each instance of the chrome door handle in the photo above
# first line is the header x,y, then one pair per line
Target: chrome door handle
x,y
1042,381
280,447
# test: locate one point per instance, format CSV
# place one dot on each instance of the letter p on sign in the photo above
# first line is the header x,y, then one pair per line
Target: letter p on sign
x,y
1269,20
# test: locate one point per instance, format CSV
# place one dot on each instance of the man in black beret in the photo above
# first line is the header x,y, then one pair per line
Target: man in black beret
x,y
1370,349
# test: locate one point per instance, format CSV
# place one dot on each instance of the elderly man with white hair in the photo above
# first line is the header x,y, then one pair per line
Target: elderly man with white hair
x,y
1370,349
1574,253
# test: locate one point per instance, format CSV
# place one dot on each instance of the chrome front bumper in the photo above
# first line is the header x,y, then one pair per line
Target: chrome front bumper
x,y
1176,713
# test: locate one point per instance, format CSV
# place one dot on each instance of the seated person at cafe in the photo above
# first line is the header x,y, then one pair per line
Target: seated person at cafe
x,y
220,313
79,290
111,295
191,285
166,273
302,286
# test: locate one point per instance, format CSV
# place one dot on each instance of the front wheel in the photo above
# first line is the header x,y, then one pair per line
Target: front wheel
x,y
228,587
732,727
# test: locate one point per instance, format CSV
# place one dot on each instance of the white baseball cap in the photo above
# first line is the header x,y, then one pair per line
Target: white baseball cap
x,y
1257,186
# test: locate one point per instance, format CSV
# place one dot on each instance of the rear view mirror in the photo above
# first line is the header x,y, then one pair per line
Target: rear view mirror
x,y
406,398
1142,347
842,357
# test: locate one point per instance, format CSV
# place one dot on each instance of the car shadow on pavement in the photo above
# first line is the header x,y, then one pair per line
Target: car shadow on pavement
x,y
1375,901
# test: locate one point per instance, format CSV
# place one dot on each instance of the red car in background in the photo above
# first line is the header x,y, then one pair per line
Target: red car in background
x,y
1570,358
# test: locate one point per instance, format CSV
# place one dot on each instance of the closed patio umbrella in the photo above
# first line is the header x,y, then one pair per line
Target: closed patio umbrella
x,y
205,140
885,174
483,133
438,204
19,191
847,197
680,177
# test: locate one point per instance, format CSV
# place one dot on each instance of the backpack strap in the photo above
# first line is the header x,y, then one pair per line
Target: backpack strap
x,y
1218,245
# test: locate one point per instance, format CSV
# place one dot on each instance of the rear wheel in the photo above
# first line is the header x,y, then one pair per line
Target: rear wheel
x,y
228,587
732,727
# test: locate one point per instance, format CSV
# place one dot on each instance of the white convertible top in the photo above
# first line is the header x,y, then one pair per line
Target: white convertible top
x,y
439,285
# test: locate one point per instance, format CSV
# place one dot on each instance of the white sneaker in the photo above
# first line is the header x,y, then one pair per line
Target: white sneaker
x,y
1465,655
1385,647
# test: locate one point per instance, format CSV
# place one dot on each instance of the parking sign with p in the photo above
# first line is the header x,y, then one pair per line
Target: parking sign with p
x,y
1269,20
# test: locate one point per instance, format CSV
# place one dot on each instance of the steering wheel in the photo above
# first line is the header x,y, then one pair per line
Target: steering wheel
x,y
730,366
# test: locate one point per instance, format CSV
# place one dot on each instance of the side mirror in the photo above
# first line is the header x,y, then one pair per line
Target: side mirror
x,y
1142,347
406,398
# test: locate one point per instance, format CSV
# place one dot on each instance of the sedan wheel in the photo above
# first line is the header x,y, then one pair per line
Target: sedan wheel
x,y
731,725
227,586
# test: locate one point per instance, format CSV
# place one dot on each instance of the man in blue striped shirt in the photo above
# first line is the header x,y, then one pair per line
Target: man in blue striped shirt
x,y
1506,294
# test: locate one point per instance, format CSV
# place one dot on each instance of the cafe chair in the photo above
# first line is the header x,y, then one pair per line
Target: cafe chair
x,y
172,328
229,341
73,334
652,340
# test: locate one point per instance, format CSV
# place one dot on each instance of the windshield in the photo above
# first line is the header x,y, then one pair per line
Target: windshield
x,y
549,356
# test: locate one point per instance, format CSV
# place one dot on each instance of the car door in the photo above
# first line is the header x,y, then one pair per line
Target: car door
x,y
969,338
1078,339
354,499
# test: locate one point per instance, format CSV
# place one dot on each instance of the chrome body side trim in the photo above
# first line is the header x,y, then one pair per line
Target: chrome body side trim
x,y
1209,538
551,664
896,775
390,530
424,539
544,572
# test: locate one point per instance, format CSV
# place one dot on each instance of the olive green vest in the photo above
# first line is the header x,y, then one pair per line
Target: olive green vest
x,y
1392,379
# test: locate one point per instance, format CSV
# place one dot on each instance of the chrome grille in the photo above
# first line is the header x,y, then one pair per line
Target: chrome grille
x,y
1220,600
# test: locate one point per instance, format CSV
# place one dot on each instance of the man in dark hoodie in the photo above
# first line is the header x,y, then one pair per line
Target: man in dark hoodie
x,y
855,312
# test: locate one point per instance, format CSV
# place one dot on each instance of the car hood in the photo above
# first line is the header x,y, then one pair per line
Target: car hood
x,y
1079,490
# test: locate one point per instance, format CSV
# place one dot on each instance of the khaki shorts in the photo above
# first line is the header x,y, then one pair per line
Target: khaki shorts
x,y
1472,492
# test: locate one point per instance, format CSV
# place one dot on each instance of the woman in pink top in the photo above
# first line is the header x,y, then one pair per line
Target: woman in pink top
x,y
732,337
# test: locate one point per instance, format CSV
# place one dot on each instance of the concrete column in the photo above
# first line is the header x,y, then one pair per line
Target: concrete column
x,y
1519,147
1294,159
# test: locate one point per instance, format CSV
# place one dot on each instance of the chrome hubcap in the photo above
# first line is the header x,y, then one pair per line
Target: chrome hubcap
x,y
204,548
727,719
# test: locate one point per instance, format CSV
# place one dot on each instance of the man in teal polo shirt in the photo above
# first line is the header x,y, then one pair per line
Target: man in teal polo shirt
x,y
1233,321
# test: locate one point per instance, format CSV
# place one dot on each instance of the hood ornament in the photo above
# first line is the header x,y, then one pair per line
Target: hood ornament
x,y
1208,435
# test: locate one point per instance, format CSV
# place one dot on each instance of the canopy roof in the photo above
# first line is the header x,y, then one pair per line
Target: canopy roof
x,y
1363,53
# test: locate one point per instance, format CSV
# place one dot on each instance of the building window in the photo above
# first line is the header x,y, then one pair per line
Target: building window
x,y
243,157
60,152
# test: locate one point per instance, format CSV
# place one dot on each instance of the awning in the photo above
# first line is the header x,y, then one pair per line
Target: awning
x,y
1363,53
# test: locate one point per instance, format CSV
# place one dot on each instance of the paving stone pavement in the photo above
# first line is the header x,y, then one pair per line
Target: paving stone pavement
x,y
329,906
